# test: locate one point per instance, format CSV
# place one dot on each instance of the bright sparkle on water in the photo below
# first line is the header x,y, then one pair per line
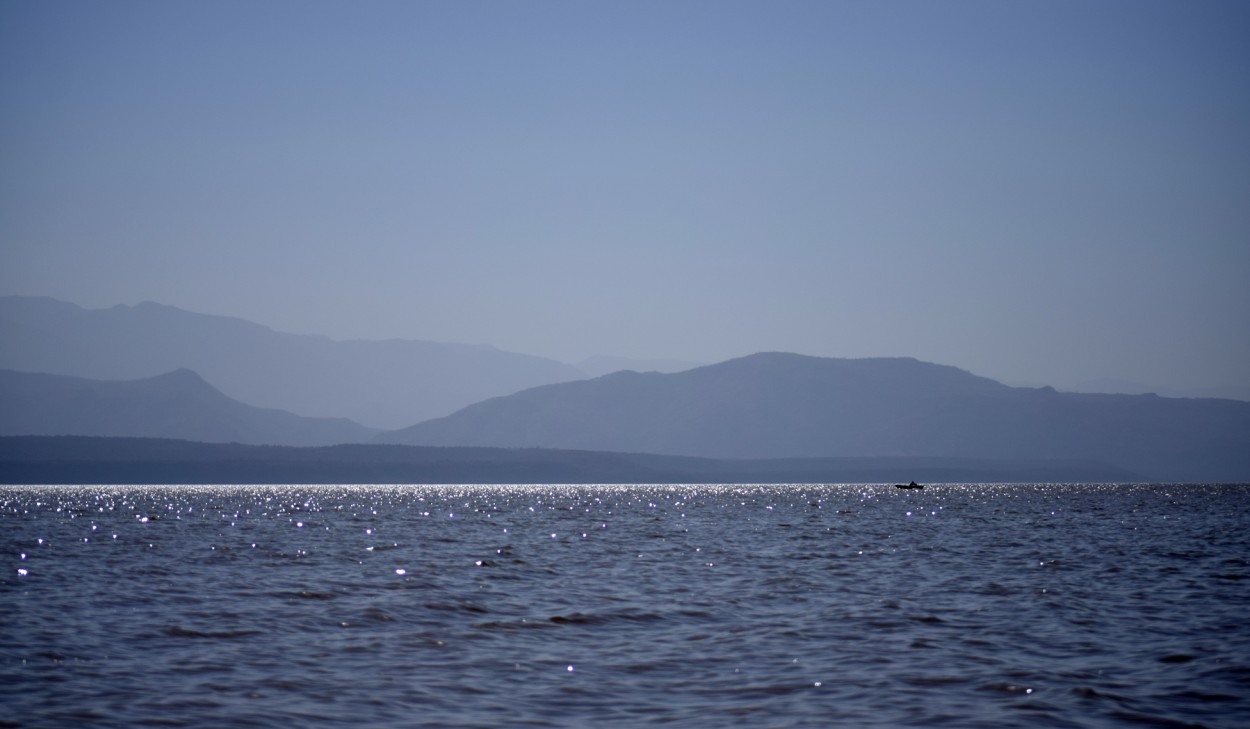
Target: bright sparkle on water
x,y
1091,606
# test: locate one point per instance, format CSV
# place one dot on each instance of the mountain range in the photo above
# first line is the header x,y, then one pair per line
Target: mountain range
x,y
383,384
778,405
152,370
181,405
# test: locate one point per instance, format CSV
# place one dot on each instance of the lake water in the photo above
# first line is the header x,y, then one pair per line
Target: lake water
x,y
575,606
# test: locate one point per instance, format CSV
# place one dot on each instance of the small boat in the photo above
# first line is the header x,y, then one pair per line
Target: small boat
x,y
912,485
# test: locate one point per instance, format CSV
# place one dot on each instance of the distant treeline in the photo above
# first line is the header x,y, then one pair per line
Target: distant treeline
x,y
91,460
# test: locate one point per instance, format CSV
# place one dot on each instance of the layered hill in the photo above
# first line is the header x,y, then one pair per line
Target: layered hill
x,y
178,404
603,365
83,460
386,384
775,405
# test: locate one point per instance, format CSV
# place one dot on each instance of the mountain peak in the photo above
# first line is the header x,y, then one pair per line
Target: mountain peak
x,y
767,404
176,404
784,405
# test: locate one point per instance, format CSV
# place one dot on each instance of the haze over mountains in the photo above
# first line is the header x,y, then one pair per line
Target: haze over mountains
x,y
604,364
384,384
133,376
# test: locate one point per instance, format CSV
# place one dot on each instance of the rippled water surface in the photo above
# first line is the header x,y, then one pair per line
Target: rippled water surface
x,y
780,606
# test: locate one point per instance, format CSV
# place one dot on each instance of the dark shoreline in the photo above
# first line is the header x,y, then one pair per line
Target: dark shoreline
x,y
104,461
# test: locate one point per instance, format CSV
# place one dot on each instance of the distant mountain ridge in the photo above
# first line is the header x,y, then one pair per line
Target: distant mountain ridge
x,y
763,406
387,383
737,408
778,405
604,364
178,404
1111,386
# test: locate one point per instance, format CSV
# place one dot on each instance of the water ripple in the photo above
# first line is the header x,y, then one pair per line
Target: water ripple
x,y
563,606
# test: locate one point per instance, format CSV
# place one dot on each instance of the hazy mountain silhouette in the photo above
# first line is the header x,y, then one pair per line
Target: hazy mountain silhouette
x,y
178,404
80,460
785,405
1111,386
604,364
388,383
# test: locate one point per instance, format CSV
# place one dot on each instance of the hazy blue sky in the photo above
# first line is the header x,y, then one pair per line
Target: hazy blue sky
x,y
1035,191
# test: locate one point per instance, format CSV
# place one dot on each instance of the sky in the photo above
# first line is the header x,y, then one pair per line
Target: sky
x,y
1039,192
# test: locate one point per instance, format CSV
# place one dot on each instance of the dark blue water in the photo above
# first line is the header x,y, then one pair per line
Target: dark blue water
x,y
779,606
